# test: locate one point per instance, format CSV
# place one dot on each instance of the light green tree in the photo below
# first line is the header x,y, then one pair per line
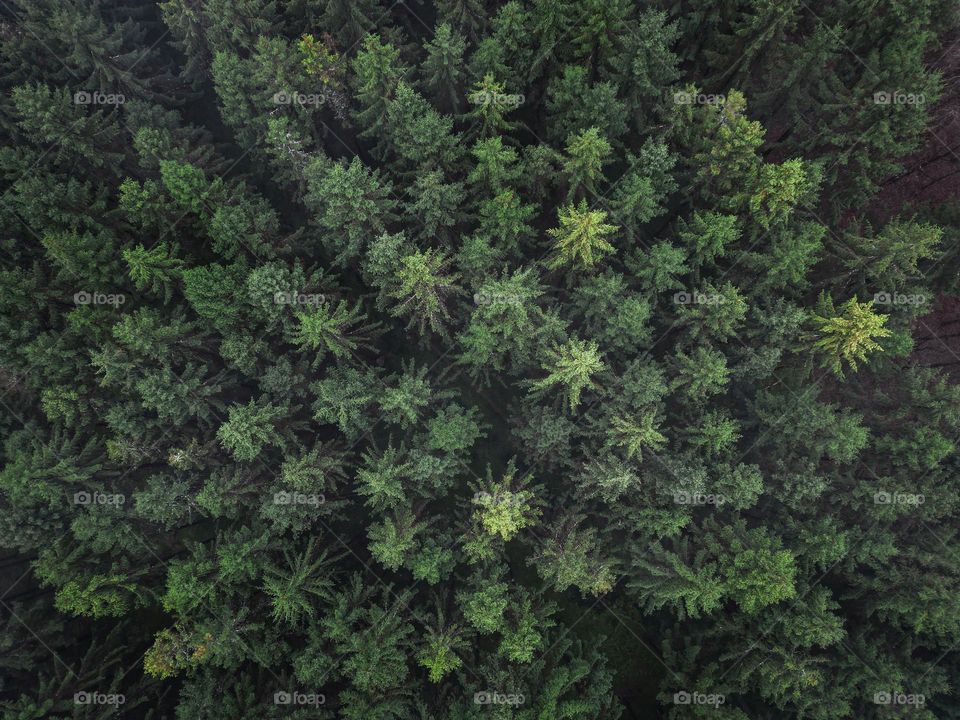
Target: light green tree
x,y
572,366
504,507
249,428
587,152
850,336
423,286
339,330
581,239
634,434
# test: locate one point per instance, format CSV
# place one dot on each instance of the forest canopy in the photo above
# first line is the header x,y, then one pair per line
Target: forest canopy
x,y
465,359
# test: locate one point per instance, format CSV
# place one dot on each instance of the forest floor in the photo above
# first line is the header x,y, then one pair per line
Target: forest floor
x,y
931,176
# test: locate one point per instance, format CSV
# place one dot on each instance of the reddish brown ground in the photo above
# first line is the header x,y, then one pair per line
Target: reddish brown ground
x,y
937,337
932,175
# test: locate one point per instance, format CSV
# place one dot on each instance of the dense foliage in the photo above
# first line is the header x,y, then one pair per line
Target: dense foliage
x,y
462,359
